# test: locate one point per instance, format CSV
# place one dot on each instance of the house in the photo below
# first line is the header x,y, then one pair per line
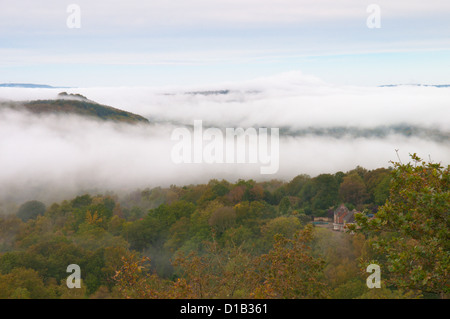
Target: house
x,y
342,217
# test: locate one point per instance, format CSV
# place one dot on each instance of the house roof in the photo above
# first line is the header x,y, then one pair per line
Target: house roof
x,y
343,215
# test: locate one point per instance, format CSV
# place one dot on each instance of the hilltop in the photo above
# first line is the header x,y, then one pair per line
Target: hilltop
x,y
27,85
80,105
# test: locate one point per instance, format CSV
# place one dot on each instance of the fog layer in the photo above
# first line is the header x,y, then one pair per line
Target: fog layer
x,y
51,157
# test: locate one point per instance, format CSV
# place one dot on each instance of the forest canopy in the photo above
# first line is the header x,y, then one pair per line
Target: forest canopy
x,y
245,239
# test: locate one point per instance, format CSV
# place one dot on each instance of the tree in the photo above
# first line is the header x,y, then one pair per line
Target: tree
x,y
285,226
289,269
325,190
381,191
9,228
222,218
236,194
377,182
410,233
82,201
23,283
350,289
218,273
31,210
282,226
339,176
284,206
200,272
68,293
296,184
179,234
154,228
134,280
353,190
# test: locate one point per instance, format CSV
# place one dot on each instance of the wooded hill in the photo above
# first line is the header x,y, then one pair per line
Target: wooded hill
x,y
79,105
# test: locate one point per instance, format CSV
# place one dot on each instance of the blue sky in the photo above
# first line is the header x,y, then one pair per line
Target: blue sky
x,y
177,42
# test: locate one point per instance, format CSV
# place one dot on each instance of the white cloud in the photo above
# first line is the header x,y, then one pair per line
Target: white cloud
x,y
50,156
196,13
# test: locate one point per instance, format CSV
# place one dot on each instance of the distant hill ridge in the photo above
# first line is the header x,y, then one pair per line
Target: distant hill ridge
x,y
79,105
213,92
424,85
30,86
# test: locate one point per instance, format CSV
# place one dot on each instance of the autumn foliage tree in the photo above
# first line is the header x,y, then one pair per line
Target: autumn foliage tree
x,y
289,270
30,210
135,280
218,273
410,233
353,190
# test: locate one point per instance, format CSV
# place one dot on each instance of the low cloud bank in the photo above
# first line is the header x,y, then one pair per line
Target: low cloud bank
x,y
54,157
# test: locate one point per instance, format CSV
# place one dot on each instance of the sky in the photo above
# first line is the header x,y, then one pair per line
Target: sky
x,y
184,42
